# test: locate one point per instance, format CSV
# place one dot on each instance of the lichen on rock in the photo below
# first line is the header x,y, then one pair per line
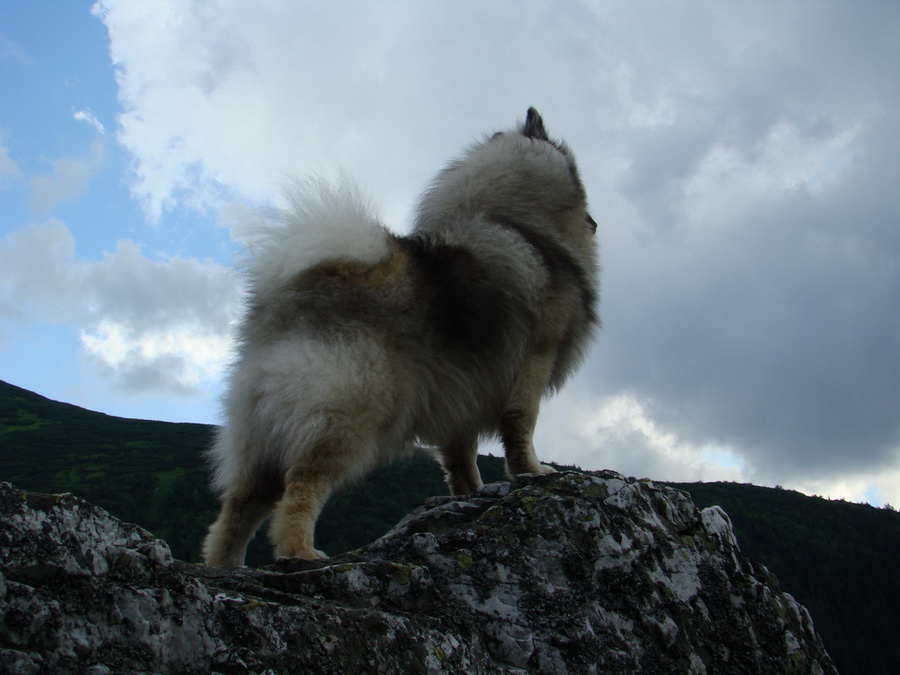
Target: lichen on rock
x,y
556,573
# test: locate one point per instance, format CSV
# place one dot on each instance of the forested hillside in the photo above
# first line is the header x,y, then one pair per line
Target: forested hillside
x,y
839,559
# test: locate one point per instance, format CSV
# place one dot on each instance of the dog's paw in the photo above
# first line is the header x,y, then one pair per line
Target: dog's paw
x,y
311,554
538,470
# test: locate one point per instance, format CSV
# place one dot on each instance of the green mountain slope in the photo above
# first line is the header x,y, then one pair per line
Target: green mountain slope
x,y
154,474
149,473
838,559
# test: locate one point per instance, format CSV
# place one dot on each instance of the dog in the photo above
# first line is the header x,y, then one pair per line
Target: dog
x,y
358,345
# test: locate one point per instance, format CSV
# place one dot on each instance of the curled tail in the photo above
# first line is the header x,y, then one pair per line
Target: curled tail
x,y
325,221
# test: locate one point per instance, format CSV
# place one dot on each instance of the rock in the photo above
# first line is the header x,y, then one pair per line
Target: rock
x,y
558,573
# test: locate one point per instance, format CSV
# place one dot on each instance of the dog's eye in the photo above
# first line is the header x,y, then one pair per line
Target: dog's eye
x,y
592,224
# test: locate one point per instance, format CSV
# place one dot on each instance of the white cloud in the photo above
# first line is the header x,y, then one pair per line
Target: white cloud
x,y
733,180
226,96
8,166
242,221
619,432
741,160
149,325
69,179
179,358
878,487
88,117
622,433
12,50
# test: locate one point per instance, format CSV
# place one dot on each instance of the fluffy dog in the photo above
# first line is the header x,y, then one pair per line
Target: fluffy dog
x,y
358,344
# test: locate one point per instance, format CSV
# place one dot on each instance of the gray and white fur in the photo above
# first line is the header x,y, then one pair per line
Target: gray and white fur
x,y
358,345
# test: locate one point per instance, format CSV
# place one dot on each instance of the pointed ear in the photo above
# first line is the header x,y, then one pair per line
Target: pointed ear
x,y
534,126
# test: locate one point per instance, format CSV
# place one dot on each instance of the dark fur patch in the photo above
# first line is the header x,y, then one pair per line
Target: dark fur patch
x,y
561,266
564,271
327,300
471,311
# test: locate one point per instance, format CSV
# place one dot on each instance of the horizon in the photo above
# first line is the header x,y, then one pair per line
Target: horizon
x,y
886,506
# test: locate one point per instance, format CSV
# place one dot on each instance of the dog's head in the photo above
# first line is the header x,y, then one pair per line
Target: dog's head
x,y
522,175
534,129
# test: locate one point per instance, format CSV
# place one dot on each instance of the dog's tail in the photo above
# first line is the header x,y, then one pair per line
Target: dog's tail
x,y
326,221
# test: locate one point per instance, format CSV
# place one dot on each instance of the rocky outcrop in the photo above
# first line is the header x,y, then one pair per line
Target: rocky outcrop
x,y
557,573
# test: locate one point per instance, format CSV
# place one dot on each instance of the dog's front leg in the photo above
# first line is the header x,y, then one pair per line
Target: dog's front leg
x,y
459,460
518,421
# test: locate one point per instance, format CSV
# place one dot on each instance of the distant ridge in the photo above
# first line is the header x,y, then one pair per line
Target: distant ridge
x,y
839,559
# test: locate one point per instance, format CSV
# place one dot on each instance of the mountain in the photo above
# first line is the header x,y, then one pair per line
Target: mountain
x,y
149,473
154,474
837,558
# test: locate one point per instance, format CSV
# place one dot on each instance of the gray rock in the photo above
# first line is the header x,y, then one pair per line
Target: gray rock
x,y
559,573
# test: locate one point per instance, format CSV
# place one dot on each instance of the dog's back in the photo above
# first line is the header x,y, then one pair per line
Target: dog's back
x,y
362,344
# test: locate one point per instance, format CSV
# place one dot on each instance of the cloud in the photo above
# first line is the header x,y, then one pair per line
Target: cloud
x,y
754,311
88,117
170,357
582,428
68,179
8,167
148,325
741,161
639,438
224,98
750,295
12,50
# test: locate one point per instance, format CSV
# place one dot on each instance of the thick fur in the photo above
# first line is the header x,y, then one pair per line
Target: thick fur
x,y
358,344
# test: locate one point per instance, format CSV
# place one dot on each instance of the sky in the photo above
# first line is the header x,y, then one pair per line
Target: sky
x,y
739,157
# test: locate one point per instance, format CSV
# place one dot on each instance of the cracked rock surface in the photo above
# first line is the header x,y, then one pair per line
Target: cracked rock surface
x,y
558,573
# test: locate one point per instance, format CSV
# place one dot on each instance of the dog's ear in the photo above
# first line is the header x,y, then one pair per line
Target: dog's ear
x,y
534,126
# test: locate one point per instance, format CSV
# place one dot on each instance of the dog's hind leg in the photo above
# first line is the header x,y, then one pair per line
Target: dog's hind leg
x,y
518,421
293,526
308,484
244,507
459,460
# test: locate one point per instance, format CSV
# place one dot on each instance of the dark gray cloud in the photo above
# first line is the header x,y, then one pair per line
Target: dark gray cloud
x,y
757,307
